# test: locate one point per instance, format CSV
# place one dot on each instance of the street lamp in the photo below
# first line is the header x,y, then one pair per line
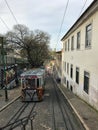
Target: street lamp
x,y
3,53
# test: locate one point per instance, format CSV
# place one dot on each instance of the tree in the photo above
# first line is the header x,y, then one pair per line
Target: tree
x,y
34,45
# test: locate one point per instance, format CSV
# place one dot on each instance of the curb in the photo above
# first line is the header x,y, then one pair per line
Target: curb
x,y
9,103
80,118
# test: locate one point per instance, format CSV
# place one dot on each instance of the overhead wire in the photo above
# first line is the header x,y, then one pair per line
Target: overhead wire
x,y
64,17
4,23
83,7
11,11
62,23
2,20
12,15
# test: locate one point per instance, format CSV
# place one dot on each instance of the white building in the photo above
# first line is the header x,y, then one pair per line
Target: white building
x,y
80,56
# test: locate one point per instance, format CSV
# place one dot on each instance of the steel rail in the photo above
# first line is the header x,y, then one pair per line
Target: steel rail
x,y
22,121
72,116
53,112
65,115
18,113
73,121
70,119
59,106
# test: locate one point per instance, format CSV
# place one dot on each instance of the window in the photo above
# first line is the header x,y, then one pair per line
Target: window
x,y
77,75
65,46
65,80
86,81
32,82
71,88
71,71
63,65
67,84
38,82
78,40
72,43
68,44
67,68
88,36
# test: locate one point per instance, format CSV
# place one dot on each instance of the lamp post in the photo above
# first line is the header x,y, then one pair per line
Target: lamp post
x,y
4,66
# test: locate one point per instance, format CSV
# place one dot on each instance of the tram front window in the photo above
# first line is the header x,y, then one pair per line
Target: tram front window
x,y
33,82
30,83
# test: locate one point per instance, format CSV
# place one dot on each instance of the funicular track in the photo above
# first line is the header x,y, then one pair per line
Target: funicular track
x,y
18,119
63,115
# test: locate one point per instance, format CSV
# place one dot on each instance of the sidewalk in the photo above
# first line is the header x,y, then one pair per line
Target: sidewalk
x,y
13,94
87,115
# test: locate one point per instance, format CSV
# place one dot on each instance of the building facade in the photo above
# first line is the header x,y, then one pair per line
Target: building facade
x,y
58,62
80,56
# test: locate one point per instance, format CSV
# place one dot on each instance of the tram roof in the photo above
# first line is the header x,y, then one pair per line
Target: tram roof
x,y
31,72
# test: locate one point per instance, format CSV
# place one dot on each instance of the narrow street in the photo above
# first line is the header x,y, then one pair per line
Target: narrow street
x,y
49,65
53,113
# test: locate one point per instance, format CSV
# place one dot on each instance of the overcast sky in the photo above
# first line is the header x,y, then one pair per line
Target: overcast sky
x,y
45,15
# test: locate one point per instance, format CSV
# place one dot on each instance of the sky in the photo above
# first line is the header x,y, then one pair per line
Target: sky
x,y
45,15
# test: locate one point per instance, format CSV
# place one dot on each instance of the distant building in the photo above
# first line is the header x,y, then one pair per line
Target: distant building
x,y
58,62
80,56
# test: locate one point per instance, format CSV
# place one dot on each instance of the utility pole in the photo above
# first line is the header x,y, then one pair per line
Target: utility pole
x,y
4,66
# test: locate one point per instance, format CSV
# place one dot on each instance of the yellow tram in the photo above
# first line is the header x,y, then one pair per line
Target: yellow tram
x,y
32,85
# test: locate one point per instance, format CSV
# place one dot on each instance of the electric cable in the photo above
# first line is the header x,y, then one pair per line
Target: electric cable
x,y
4,21
83,7
62,23
64,17
4,24
11,11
